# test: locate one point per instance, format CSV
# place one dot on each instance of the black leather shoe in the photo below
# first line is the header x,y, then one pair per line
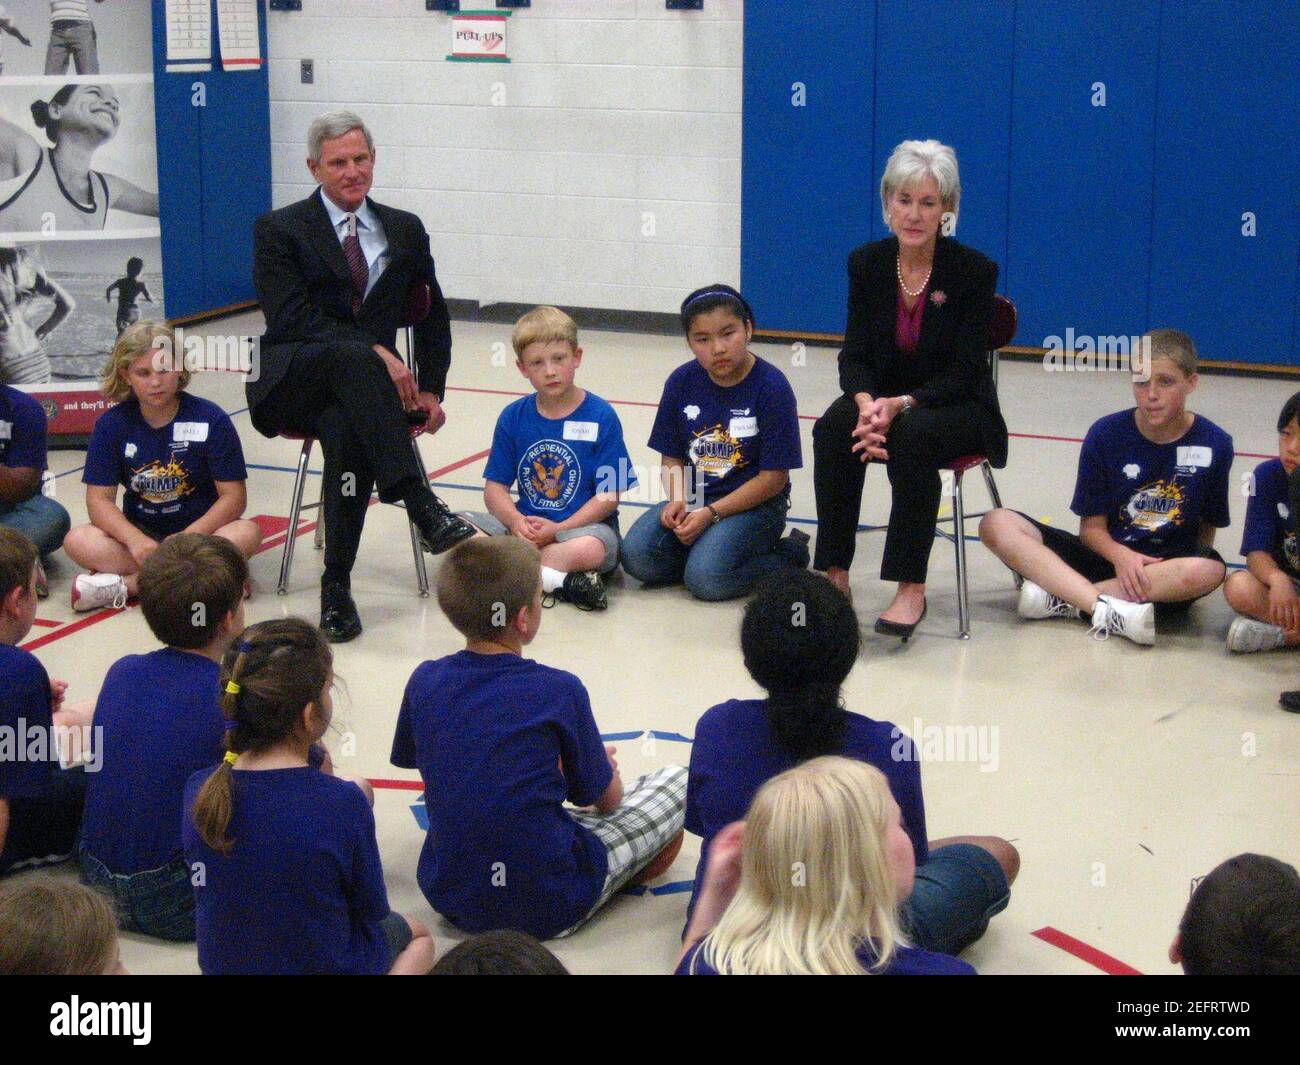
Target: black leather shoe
x,y
339,619
898,628
1290,702
440,530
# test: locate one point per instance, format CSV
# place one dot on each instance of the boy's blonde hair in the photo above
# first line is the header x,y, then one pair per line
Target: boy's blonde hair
x,y
815,876
1176,346
486,581
135,341
542,325
55,928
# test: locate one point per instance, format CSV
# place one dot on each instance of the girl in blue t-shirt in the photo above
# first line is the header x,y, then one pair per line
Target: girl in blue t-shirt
x,y
177,456
728,433
1267,592
800,640
821,858
284,859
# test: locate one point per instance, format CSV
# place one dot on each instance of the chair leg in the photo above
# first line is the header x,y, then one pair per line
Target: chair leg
x,y
421,568
318,541
959,540
992,486
295,509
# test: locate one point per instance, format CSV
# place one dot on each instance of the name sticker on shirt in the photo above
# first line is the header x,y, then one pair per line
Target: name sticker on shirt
x,y
1196,455
6,430
196,432
742,427
581,431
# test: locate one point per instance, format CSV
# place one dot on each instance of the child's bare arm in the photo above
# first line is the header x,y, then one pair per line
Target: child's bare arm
x,y
496,497
1205,535
592,512
612,799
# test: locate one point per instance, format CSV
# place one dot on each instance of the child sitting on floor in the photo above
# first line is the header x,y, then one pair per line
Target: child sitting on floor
x,y
1151,491
811,883
283,857
501,743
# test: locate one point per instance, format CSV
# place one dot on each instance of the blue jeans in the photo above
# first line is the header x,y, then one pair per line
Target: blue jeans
x,y
157,902
728,559
955,893
43,521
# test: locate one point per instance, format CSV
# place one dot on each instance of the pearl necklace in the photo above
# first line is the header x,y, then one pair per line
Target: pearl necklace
x,y
898,266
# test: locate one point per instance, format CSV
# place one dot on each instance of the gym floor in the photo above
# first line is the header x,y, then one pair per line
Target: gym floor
x,y
1120,772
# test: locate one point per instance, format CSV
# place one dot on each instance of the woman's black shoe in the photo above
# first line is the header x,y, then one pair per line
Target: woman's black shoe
x,y
339,619
897,628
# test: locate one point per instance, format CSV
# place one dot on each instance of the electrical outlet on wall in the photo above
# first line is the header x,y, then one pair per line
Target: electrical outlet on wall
x,y
308,72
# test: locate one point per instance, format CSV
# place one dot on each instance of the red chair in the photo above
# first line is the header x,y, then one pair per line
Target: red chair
x,y
1002,329
419,300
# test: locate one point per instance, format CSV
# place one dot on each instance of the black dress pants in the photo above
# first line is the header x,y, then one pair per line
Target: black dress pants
x,y
342,395
919,443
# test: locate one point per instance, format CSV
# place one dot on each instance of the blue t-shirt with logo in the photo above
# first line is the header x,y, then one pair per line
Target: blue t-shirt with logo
x,y
22,430
161,719
27,720
906,961
560,464
1154,496
302,890
727,435
1268,518
501,743
169,473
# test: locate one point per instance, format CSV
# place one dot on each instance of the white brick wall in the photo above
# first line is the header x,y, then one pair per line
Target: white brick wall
x,y
608,177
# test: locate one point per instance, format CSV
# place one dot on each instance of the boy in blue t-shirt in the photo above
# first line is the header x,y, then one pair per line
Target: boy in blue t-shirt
x,y
564,448
160,720
23,506
502,743
727,430
177,456
1152,489
1267,591
40,803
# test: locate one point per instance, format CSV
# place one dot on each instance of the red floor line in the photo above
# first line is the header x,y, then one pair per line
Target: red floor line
x,y
397,785
46,624
69,629
1084,952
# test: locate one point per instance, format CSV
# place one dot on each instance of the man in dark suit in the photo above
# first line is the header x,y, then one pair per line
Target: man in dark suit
x,y
334,272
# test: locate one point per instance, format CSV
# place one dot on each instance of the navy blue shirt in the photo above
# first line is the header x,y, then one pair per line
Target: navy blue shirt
x,y
25,715
1268,518
162,723
169,473
302,890
907,961
488,734
23,428
559,463
728,435
1154,496
735,754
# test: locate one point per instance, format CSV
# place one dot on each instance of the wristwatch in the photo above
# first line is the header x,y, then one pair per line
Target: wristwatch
x,y
907,404
716,516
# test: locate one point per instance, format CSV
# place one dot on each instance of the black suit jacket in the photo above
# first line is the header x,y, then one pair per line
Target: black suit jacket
x,y
303,282
950,364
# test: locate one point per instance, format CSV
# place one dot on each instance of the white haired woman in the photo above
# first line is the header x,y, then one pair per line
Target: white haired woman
x,y
917,389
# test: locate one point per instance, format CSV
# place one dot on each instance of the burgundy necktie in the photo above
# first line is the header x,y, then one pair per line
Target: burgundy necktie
x,y
356,264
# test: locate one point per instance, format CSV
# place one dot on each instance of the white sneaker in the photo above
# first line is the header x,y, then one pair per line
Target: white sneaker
x,y
91,591
1036,602
1247,634
1136,621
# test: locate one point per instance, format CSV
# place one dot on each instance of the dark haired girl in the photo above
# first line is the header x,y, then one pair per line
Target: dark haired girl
x,y
800,640
728,434
283,857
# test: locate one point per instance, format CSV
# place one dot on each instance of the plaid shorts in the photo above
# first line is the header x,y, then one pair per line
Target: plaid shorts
x,y
653,812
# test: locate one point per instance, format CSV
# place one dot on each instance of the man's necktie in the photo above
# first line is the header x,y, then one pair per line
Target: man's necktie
x,y
356,265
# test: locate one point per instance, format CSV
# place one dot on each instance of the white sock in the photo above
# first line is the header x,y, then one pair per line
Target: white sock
x,y
552,579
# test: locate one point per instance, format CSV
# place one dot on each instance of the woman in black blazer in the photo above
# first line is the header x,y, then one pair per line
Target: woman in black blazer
x,y
917,388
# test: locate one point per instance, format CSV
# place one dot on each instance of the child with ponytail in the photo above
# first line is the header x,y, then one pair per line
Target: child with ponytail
x,y
800,640
283,857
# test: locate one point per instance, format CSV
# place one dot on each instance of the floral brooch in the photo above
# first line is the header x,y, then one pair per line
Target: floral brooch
x,y
938,297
